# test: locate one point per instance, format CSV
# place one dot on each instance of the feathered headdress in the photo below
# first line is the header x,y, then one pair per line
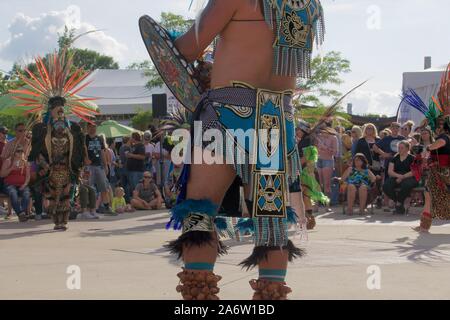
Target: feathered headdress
x,y
56,76
331,111
444,92
431,112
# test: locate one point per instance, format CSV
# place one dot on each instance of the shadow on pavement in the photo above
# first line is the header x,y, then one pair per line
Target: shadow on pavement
x,y
423,249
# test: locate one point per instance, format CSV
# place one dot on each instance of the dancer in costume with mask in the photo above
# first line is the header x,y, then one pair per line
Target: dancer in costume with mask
x,y
57,144
252,81
436,167
309,156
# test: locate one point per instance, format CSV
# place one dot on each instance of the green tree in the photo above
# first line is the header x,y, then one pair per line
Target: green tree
x,y
175,22
325,71
84,58
149,71
142,119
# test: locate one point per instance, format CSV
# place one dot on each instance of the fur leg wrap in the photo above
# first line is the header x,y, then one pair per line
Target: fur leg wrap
x,y
261,253
195,238
196,218
269,290
426,221
198,285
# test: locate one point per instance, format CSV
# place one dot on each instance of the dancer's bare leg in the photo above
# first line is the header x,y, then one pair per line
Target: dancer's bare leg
x,y
207,182
426,219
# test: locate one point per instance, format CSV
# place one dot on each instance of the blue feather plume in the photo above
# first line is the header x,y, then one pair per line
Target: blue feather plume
x,y
412,99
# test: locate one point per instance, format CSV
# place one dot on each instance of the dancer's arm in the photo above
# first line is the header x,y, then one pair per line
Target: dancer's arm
x,y
437,145
212,21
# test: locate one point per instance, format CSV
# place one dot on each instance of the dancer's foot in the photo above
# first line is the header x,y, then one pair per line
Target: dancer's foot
x,y
198,285
269,290
419,229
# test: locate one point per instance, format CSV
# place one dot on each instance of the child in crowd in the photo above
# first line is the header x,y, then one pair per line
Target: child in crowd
x,y
119,204
87,197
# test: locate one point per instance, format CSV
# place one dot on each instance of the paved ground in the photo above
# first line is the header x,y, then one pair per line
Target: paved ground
x,y
121,258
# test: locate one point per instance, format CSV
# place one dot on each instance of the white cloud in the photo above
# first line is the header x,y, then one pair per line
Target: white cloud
x,y
375,102
31,36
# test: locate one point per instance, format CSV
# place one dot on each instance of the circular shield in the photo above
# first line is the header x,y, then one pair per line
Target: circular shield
x,y
176,73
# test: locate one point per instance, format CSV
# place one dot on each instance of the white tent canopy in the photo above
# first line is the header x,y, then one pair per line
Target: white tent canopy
x,y
426,84
121,92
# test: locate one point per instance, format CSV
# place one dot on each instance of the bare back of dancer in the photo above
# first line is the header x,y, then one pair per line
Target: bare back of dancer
x,y
245,48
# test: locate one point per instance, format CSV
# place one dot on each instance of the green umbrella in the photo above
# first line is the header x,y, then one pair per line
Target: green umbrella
x,y
113,129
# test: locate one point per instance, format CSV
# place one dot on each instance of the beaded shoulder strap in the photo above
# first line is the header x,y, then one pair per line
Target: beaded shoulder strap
x,y
297,24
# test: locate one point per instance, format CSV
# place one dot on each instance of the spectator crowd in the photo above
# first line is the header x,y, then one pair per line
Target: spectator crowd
x,y
119,176
358,166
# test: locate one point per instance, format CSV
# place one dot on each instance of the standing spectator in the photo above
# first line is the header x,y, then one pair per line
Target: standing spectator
x,y
426,139
20,140
388,146
39,170
356,135
3,141
365,146
97,162
3,135
406,131
149,150
162,164
16,172
400,176
384,133
327,146
87,197
135,160
123,172
146,196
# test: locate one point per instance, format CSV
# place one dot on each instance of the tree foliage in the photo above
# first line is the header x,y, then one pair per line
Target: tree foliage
x,y
142,120
325,71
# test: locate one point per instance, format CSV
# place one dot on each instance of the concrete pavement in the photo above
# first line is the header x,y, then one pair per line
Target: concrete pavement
x,y
122,258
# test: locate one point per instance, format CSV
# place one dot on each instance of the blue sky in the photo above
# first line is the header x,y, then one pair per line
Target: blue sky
x,y
382,38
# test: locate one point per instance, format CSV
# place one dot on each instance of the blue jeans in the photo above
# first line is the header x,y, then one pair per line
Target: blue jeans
x,y
14,194
134,178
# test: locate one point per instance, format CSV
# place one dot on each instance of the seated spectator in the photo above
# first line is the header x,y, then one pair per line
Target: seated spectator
x,y
119,205
400,177
358,179
87,197
146,196
407,132
21,140
16,172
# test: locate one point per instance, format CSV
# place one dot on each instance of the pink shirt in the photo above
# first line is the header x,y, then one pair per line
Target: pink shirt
x,y
327,145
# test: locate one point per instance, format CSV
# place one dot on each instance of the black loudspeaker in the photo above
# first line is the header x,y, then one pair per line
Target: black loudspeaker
x,y
159,105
